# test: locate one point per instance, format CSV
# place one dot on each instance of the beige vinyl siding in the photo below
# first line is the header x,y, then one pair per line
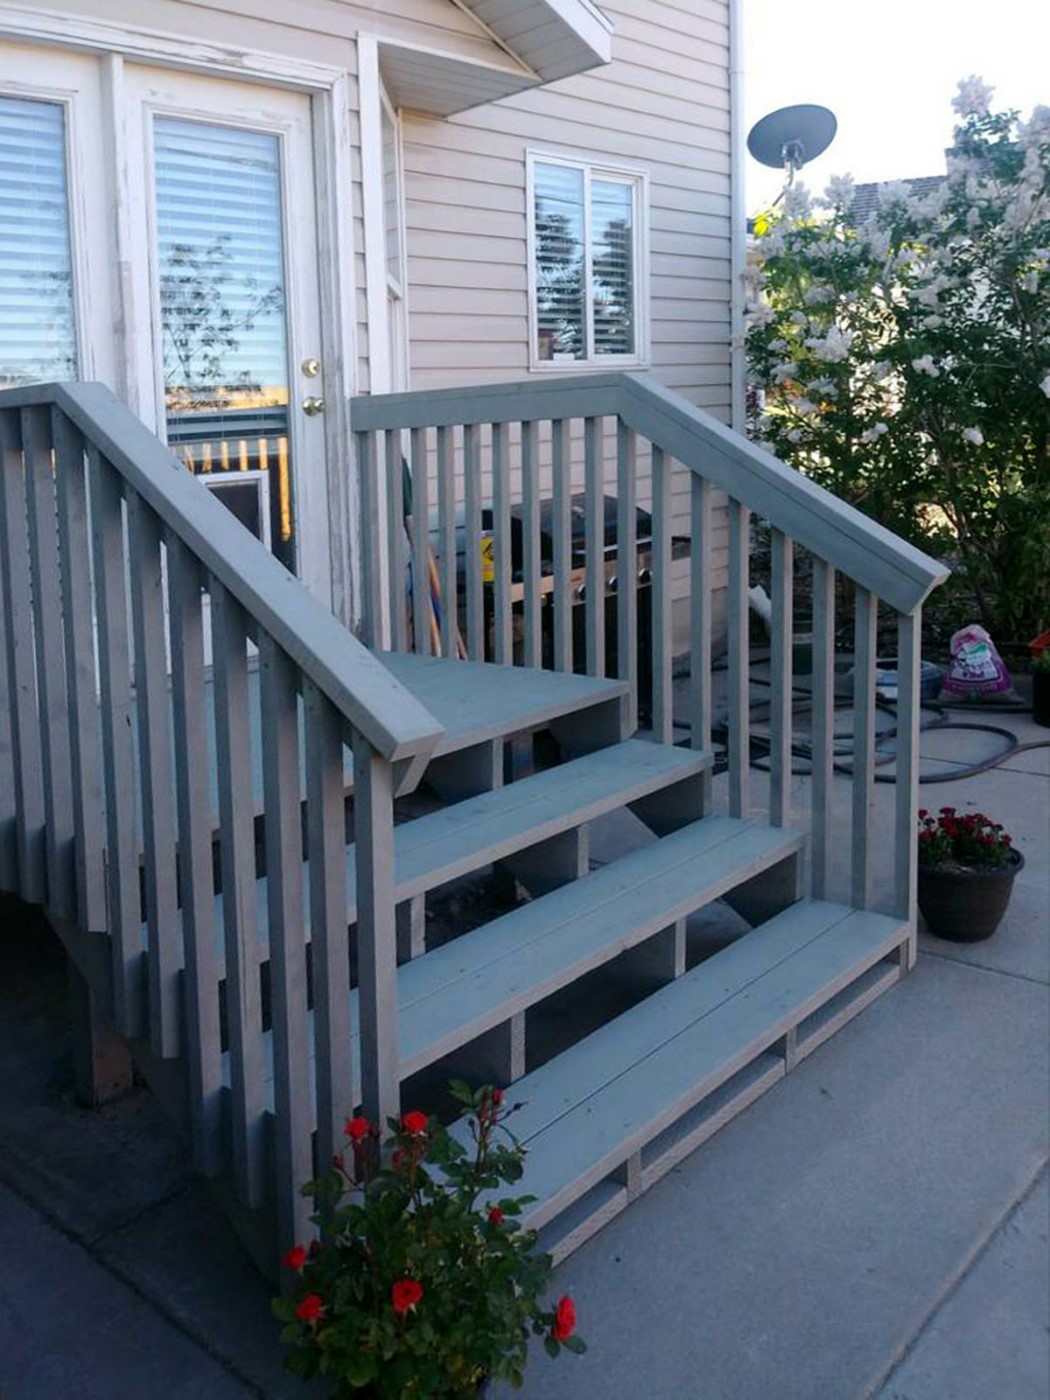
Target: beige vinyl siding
x,y
662,105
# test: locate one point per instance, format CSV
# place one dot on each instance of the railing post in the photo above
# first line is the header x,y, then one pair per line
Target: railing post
x,y
502,614
700,618
530,490
376,932
422,613
863,747
781,693
368,472
472,542
21,664
909,701
561,466
594,530
446,497
823,744
627,566
663,699
739,661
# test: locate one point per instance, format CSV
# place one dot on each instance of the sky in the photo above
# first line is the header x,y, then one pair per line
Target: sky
x,y
888,69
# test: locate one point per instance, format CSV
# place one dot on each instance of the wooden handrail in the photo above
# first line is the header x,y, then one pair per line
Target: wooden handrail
x,y
357,683
834,531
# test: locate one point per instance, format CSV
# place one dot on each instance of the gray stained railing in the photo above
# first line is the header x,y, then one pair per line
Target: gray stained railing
x,y
673,458
119,578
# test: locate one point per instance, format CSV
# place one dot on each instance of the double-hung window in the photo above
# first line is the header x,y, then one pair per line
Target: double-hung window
x,y
587,264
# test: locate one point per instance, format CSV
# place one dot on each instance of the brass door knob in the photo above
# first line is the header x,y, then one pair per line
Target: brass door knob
x,y
313,406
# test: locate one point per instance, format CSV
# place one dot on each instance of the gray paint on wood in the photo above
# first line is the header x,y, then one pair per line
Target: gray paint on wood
x,y
823,742
21,666
78,618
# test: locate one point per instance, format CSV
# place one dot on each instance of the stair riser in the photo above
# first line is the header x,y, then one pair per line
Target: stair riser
x,y
549,1210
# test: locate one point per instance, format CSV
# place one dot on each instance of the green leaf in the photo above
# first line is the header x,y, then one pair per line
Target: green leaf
x,y
550,1346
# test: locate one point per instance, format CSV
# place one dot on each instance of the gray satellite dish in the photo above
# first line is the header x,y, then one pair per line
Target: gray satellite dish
x,y
791,136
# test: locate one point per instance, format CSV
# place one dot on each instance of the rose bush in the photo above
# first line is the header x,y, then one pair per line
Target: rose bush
x,y
422,1282
904,361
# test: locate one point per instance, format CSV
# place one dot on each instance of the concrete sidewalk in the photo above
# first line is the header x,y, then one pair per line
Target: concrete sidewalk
x,y
874,1226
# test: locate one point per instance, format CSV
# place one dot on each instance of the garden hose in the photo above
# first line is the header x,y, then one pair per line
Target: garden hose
x,y
801,704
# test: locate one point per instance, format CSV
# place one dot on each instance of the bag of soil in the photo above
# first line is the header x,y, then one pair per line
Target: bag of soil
x,y
976,671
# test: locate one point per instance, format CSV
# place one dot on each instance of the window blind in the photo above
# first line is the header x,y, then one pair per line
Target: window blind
x,y
612,233
559,231
37,336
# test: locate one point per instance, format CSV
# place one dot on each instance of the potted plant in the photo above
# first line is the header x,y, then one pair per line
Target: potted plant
x,y
1041,687
967,866
422,1283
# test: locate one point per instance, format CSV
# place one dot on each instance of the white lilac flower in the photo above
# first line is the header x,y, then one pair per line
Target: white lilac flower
x,y
798,318
778,345
798,203
931,323
822,388
1035,131
877,239
805,407
873,433
840,190
893,194
834,347
794,435
973,98
1045,386
1030,282
812,295
759,315
973,218
880,370
925,365
973,435
785,371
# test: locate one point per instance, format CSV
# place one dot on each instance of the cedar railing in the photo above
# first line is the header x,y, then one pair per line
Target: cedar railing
x,y
466,446
169,696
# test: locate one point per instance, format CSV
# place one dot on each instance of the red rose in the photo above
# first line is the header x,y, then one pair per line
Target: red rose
x,y
495,1216
405,1294
295,1258
357,1129
564,1319
310,1309
497,1097
415,1123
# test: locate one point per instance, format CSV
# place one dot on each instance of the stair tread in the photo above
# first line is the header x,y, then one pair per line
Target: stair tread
x,y
456,992
588,1109
467,835
475,701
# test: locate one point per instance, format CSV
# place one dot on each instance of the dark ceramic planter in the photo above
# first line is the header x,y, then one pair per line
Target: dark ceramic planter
x,y
1041,698
966,906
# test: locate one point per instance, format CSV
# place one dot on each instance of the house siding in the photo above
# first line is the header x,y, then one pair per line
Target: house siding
x,y
662,105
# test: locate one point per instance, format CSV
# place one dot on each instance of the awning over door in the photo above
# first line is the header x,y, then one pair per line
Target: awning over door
x,y
533,42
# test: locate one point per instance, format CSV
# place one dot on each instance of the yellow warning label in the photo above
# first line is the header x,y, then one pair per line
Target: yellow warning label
x,y
488,559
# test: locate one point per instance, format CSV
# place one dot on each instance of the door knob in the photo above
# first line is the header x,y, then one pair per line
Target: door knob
x,y
313,406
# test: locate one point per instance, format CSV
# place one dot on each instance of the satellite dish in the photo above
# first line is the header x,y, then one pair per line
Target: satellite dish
x,y
791,136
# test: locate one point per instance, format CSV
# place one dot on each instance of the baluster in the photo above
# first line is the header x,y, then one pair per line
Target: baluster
x,y
446,483
502,616
192,767
122,855
594,539
561,467
533,577
326,823
863,746
909,703
367,470
79,626
627,565
8,809
472,542
376,932
278,678
158,796
700,617
780,730
663,700
21,665
50,662
739,662
421,610
237,849
395,525
823,756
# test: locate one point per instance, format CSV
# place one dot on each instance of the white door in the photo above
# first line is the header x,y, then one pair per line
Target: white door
x,y
225,331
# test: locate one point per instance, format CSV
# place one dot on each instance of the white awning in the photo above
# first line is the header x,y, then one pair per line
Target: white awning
x,y
534,42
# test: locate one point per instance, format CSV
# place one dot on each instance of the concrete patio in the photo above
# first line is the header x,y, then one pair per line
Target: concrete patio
x,y
875,1226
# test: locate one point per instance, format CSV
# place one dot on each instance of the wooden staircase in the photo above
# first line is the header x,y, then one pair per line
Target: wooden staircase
x,y
238,858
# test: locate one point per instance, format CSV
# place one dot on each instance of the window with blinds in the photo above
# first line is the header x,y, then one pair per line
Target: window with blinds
x,y
585,272
37,331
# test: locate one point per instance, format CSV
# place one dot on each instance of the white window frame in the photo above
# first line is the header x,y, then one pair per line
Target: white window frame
x,y
637,179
